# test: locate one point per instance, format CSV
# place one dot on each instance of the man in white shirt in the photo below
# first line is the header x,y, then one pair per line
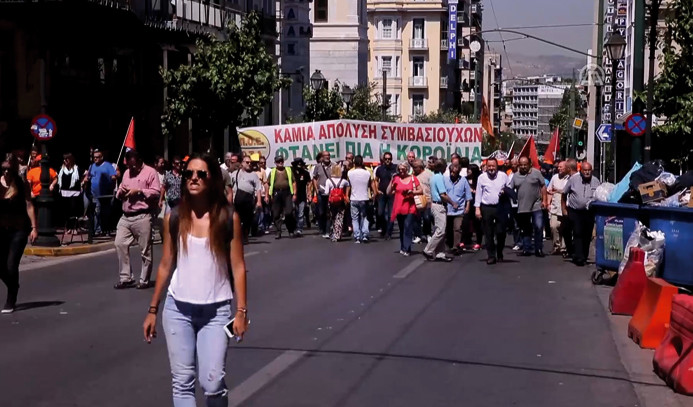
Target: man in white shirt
x,y
491,187
556,218
360,182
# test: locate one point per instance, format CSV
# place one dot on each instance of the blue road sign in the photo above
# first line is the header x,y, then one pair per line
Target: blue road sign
x,y
452,30
603,133
43,128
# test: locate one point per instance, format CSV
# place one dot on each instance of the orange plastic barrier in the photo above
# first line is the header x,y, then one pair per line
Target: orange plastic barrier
x,y
630,284
650,321
673,359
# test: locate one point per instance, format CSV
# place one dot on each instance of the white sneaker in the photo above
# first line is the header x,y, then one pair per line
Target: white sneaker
x,y
7,310
326,236
416,240
517,248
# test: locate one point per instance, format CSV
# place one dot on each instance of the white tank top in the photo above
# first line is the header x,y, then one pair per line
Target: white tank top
x,y
200,278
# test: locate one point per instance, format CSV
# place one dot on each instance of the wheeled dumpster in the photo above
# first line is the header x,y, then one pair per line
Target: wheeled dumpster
x,y
677,226
615,223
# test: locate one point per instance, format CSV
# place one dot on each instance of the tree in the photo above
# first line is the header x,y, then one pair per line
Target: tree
x,y
673,89
365,104
562,118
441,116
326,104
228,84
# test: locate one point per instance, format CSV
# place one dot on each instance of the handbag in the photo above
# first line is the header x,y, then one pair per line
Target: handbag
x,y
420,200
242,198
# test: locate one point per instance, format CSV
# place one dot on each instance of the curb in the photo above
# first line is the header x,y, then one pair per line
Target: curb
x,y
68,250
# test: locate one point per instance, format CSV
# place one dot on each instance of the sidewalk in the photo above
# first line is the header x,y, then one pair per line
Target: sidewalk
x,y
73,245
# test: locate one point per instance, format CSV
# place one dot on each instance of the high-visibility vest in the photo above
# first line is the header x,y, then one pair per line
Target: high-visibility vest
x,y
289,175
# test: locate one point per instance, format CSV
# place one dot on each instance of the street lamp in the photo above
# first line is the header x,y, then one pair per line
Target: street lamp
x,y
615,48
347,96
317,81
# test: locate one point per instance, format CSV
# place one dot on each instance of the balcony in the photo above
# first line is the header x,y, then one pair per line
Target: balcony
x,y
418,44
444,45
444,82
418,82
463,42
463,64
415,116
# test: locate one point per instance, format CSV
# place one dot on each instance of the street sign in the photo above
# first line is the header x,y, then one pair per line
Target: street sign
x,y
475,46
603,133
635,124
43,128
452,29
577,123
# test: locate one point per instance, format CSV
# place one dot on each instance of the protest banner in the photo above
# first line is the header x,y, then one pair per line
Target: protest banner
x,y
369,139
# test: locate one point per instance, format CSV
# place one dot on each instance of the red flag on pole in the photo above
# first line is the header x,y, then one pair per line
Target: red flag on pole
x,y
486,119
130,136
530,151
554,146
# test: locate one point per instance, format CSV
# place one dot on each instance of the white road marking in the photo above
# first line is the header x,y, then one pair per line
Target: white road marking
x,y
404,273
263,377
251,254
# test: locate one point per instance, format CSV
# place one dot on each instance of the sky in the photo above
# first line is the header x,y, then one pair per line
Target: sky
x,y
520,13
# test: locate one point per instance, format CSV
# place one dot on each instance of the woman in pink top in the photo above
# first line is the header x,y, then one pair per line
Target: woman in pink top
x,y
404,186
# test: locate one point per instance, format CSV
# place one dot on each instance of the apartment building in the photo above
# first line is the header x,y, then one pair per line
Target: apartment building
x,y
491,88
409,43
293,47
534,102
339,44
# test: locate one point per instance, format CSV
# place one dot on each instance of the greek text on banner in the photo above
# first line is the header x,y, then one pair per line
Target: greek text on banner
x,y
369,139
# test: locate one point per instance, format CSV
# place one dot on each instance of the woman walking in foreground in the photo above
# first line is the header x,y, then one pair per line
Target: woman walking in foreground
x,y
203,241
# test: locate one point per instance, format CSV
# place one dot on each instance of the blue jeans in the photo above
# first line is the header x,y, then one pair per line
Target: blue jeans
x,y
531,224
191,330
384,211
300,216
359,220
406,230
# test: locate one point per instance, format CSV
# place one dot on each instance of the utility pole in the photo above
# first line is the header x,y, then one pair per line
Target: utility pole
x,y
594,144
638,73
654,17
571,118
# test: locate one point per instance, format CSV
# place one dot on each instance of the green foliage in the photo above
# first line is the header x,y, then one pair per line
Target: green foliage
x,y
673,89
441,116
325,105
562,119
229,82
365,104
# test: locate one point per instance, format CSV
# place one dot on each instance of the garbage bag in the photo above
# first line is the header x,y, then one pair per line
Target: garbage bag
x,y
623,185
667,179
647,173
604,191
652,243
673,201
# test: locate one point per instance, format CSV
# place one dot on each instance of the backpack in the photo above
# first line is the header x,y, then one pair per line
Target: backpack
x,y
336,195
173,226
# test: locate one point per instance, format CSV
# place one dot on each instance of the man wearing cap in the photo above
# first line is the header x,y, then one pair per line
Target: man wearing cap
x,y
282,190
302,178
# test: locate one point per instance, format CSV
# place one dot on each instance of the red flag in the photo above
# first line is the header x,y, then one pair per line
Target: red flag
x,y
486,118
130,136
530,151
554,146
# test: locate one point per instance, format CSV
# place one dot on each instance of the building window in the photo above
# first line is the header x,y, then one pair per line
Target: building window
x,y
417,105
291,15
418,28
386,66
418,66
393,101
291,49
387,28
321,11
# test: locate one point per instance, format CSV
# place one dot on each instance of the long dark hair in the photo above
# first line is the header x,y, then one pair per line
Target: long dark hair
x,y
16,183
218,209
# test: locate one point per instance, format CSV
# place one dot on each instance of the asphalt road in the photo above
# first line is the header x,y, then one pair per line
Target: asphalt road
x,y
331,325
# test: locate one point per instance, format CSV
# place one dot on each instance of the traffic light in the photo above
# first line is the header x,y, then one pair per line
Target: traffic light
x,y
580,147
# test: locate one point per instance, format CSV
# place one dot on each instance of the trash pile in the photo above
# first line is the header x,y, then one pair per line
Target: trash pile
x,y
652,243
649,184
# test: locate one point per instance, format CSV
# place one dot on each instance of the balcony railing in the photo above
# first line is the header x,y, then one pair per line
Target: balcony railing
x,y
418,82
418,43
444,45
415,116
444,82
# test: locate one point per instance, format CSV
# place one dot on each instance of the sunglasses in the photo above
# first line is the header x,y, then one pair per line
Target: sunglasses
x,y
201,174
